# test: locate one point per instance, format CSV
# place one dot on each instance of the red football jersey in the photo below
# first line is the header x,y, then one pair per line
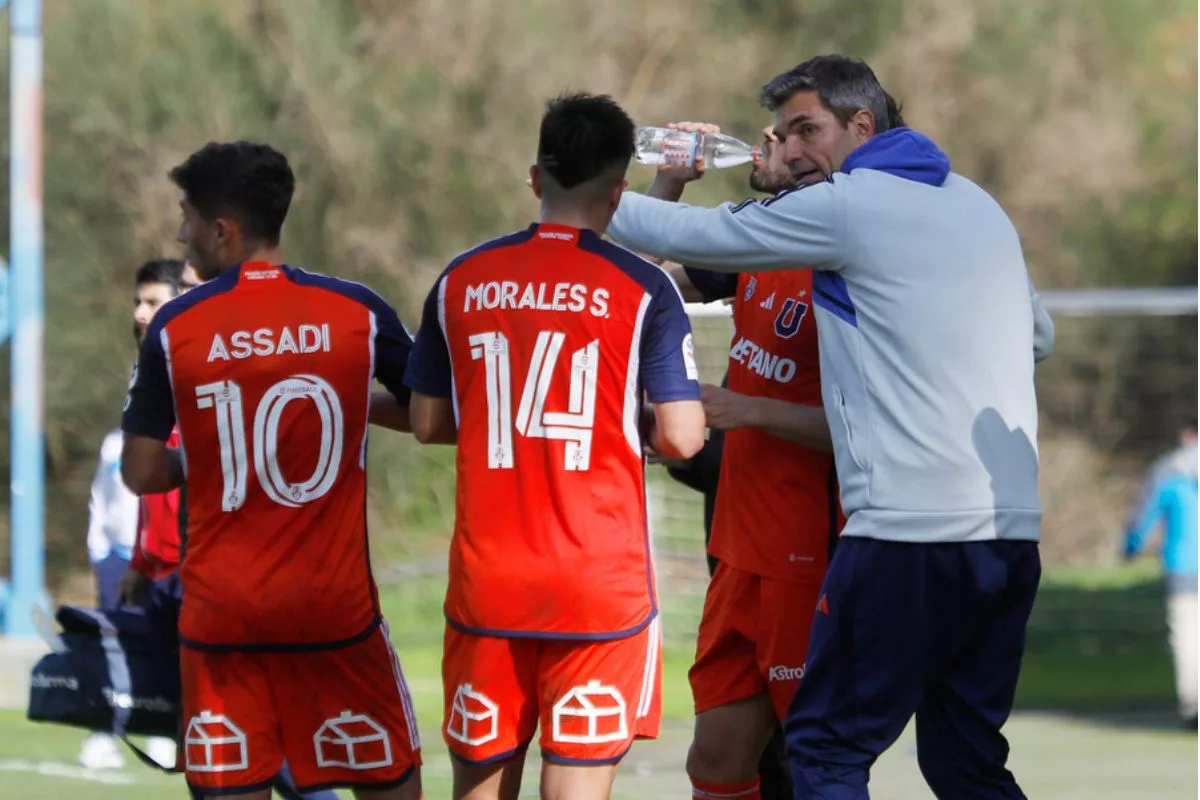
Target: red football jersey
x,y
160,531
777,512
268,371
546,341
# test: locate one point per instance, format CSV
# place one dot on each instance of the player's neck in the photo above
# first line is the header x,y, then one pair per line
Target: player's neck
x,y
583,219
269,254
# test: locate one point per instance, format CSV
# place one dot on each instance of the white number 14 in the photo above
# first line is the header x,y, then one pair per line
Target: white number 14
x,y
573,426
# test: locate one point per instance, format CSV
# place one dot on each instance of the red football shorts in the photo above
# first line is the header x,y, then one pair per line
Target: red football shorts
x,y
339,717
592,699
753,639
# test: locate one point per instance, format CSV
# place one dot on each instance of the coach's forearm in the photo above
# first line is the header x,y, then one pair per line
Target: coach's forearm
x,y
804,425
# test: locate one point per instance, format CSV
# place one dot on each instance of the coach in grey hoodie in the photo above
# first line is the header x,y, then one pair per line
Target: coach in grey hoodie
x,y
927,337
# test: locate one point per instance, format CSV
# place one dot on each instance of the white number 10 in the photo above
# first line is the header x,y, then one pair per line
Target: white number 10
x,y
573,426
225,397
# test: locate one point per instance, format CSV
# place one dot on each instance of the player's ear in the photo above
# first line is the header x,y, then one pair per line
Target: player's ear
x,y
535,181
222,231
227,238
614,199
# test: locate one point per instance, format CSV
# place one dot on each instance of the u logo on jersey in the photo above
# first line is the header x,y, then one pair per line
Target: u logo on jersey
x,y
790,316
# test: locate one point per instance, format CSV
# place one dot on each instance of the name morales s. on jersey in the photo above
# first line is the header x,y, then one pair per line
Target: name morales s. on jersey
x,y
777,511
546,340
269,370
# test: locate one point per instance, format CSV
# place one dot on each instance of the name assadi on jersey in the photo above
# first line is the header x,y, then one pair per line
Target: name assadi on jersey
x,y
266,342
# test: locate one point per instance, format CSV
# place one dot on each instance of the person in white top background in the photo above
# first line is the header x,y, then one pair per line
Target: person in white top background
x,y
112,522
113,509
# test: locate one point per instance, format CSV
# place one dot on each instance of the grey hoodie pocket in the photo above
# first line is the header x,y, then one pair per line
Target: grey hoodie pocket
x,y
845,417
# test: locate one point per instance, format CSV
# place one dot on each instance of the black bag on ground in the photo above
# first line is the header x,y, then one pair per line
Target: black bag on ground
x,y
114,671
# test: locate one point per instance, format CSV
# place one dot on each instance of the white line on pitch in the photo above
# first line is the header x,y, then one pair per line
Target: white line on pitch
x,y
57,769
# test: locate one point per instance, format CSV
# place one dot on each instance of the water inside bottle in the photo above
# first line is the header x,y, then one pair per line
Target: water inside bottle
x,y
722,151
658,146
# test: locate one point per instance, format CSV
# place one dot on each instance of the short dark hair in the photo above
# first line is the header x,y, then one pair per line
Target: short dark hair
x,y
250,182
895,117
584,137
844,85
161,270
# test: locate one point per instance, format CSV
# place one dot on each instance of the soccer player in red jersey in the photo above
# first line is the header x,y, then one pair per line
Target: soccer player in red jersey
x,y
536,353
113,508
776,517
268,371
156,549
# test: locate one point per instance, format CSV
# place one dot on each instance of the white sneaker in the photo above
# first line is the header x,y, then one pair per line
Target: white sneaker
x,y
162,750
101,751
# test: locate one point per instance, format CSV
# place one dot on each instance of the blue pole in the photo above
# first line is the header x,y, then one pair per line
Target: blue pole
x,y
25,311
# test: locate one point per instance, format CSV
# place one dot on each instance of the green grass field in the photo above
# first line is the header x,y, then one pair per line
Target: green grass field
x,y
1094,722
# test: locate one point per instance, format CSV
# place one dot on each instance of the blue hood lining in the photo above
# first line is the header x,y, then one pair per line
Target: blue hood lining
x,y
904,153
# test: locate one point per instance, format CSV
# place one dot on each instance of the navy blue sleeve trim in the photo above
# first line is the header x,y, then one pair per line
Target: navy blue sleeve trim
x,y
666,330
424,384
429,370
712,285
649,276
393,343
517,237
150,405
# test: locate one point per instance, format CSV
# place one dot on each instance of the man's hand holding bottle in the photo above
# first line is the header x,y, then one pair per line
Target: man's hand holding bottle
x,y
679,168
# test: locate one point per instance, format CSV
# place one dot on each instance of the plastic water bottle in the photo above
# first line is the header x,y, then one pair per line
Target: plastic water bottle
x,y
658,146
